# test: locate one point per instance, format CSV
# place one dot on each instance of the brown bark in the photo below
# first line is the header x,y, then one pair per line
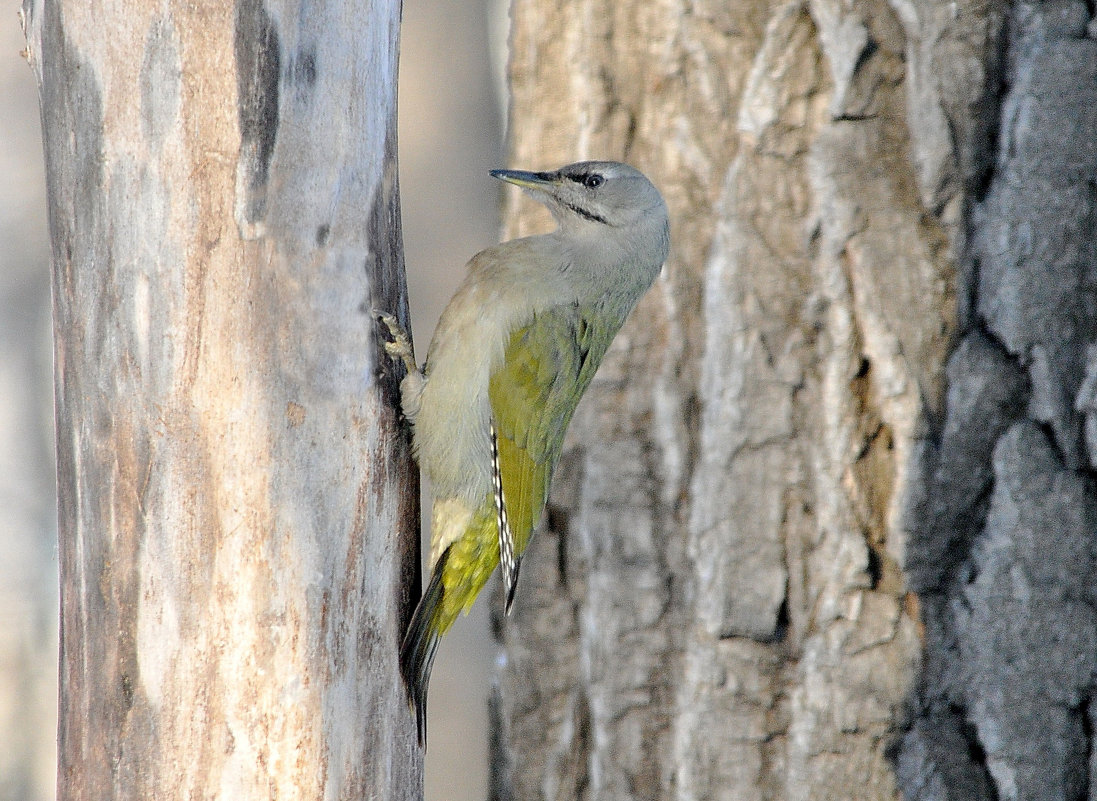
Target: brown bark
x,y
237,506
773,455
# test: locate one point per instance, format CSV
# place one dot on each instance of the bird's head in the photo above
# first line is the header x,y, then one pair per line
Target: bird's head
x,y
592,194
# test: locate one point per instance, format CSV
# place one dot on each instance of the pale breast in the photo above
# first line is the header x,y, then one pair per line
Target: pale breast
x,y
504,286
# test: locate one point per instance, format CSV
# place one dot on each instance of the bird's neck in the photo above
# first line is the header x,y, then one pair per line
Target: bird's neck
x,y
610,266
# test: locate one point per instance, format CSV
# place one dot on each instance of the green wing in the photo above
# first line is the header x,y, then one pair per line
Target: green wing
x,y
546,369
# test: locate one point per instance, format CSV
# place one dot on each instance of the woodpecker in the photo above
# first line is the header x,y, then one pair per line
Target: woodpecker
x,y
511,356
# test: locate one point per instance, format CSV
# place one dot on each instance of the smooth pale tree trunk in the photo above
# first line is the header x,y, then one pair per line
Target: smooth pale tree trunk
x,y
237,506
825,526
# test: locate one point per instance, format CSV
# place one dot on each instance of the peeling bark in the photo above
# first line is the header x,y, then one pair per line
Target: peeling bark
x,y
237,506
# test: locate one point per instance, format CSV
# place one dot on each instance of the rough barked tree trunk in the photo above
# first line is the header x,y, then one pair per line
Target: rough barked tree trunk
x,y
778,502
237,508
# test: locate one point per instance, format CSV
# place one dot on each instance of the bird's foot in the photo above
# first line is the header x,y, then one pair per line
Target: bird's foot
x,y
400,346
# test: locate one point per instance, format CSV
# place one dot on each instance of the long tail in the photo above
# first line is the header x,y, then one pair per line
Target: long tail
x,y
420,644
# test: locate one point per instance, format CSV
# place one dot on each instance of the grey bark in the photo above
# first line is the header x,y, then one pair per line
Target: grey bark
x,y
1007,517
824,527
237,506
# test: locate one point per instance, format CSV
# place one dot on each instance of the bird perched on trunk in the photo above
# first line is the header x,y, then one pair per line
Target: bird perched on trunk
x,y
512,355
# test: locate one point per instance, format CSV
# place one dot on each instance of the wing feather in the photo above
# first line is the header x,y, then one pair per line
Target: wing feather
x,y
547,367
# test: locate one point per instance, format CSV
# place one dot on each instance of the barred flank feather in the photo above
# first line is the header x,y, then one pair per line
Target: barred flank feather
x,y
420,644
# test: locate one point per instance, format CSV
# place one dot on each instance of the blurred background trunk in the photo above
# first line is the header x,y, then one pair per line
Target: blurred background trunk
x,y
237,525
825,526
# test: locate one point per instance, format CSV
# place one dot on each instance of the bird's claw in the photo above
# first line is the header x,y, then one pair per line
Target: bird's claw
x,y
400,346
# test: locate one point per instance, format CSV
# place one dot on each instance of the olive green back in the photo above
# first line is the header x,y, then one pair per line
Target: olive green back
x,y
547,368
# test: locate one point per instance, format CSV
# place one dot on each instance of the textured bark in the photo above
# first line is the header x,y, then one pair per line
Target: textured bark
x,y
237,507
774,454
1005,519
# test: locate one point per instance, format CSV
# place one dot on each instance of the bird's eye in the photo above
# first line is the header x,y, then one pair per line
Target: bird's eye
x,y
593,181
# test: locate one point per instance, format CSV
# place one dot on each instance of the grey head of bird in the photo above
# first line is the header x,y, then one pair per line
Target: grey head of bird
x,y
592,195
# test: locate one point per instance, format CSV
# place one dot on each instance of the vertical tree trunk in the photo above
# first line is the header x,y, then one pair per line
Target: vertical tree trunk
x,y
237,510
774,455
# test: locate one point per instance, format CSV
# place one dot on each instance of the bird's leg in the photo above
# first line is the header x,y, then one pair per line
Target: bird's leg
x,y
400,346
411,388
